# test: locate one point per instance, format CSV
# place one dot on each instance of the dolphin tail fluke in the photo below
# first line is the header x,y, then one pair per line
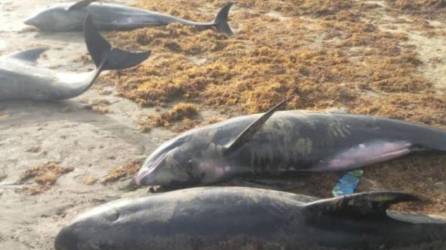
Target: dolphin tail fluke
x,y
358,206
221,21
104,56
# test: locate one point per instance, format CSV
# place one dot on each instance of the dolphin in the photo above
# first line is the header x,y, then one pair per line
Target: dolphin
x,y
285,143
69,16
223,218
21,79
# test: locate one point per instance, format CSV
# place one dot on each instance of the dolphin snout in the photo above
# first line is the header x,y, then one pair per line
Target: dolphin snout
x,y
31,21
66,240
147,174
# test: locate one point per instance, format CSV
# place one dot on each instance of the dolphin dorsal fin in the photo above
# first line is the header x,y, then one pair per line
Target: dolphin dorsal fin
x,y
361,205
80,5
252,129
30,55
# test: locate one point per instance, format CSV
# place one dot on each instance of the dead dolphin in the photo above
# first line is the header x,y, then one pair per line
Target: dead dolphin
x,y
288,143
69,17
219,218
21,79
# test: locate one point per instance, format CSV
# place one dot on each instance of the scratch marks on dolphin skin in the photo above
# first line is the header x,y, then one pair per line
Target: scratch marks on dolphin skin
x,y
336,129
304,146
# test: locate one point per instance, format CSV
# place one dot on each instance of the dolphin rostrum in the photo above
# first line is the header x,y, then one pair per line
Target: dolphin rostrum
x,y
276,144
226,218
21,79
69,17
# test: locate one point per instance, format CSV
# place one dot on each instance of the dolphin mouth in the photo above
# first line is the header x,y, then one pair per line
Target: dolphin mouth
x,y
148,172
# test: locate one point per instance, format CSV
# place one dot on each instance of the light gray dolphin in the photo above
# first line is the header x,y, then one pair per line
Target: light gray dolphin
x,y
283,144
22,79
69,17
227,218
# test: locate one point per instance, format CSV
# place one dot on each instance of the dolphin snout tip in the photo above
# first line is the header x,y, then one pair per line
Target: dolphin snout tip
x,y
137,179
143,178
140,178
30,21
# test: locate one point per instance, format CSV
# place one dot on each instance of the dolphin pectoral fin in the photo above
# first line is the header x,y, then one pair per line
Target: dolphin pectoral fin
x,y
363,155
80,5
358,206
101,49
221,21
252,129
30,55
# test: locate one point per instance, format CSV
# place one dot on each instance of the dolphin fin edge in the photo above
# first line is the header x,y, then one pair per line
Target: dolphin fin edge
x,y
80,5
104,56
30,55
252,129
221,20
358,206
99,49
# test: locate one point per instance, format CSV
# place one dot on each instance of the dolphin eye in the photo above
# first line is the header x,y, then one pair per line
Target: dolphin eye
x,y
112,215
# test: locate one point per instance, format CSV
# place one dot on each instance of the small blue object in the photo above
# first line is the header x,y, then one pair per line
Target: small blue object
x,y
348,183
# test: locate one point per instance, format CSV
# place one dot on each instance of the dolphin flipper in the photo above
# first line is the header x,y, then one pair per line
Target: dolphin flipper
x,y
221,21
103,54
30,55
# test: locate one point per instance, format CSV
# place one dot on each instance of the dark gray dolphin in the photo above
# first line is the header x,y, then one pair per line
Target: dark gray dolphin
x,y
290,142
217,218
20,78
69,17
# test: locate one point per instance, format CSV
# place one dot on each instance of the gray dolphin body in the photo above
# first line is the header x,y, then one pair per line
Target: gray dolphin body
x,y
217,218
288,143
69,17
22,79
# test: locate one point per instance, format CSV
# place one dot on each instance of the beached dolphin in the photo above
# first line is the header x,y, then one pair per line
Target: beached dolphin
x,y
227,218
22,79
283,144
69,17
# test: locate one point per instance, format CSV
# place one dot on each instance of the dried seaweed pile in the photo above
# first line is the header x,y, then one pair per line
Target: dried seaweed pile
x,y
43,176
118,173
417,5
338,59
181,117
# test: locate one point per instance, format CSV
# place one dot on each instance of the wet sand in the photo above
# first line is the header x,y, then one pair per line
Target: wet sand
x,y
73,134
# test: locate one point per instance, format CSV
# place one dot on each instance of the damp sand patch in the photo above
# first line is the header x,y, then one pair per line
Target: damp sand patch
x,y
432,51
